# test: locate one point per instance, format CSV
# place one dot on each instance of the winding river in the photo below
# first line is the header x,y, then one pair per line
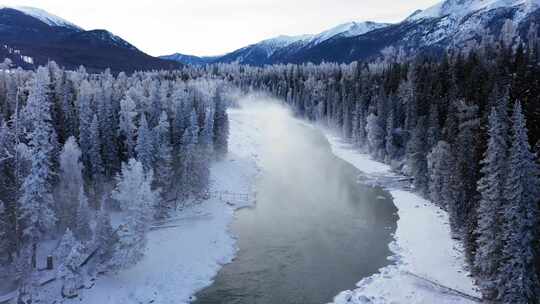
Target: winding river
x,y
314,231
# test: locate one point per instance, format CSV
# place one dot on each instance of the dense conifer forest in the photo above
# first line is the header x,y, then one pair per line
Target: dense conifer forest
x,y
78,148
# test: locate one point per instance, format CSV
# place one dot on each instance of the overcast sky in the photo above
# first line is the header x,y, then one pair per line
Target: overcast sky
x,y
212,27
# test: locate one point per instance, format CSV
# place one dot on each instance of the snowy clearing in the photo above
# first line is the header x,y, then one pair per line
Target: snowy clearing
x,y
422,247
183,259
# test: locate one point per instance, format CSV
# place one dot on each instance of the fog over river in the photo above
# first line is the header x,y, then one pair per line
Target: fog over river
x,y
313,231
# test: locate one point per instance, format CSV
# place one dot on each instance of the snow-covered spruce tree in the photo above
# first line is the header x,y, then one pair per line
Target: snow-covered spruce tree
x,y
416,156
105,238
69,185
86,114
145,145
440,162
95,169
108,126
434,128
359,127
155,104
468,157
135,195
221,126
189,177
70,271
82,230
127,126
204,155
375,136
36,215
491,188
390,143
9,189
64,247
67,99
180,122
518,282
163,162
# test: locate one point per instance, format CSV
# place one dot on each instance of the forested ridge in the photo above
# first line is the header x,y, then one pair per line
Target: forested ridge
x,y
465,127
77,149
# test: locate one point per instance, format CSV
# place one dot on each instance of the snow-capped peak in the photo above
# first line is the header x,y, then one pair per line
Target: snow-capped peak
x,y
284,40
349,29
44,16
461,8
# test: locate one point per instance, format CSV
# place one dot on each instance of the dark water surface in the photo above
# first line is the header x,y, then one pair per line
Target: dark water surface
x,y
315,231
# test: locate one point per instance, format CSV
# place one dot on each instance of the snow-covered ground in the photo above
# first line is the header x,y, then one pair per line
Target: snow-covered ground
x,y
183,259
423,247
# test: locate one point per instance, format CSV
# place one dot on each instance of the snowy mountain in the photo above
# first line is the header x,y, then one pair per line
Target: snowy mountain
x,y
271,50
189,59
31,37
458,9
451,24
347,30
45,17
457,24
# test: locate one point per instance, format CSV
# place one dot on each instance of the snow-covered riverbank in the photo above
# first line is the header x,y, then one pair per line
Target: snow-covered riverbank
x,y
423,247
183,259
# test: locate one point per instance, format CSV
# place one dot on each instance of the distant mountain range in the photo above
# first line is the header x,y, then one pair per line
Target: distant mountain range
x,y
449,24
30,37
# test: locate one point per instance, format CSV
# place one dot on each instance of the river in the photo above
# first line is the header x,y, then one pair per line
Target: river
x,y
314,230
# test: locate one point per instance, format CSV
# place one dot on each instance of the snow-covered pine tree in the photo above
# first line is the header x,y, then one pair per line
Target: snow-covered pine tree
x,y
179,122
467,158
145,145
491,188
163,162
518,282
86,114
127,125
155,104
108,126
440,170
67,96
416,156
104,238
221,125
69,270
64,247
36,203
70,183
95,170
135,195
82,230
204,155
434,127
390,142
9,182
375,136
189,177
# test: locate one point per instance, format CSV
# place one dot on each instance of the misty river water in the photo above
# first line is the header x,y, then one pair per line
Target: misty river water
x,y
314,230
